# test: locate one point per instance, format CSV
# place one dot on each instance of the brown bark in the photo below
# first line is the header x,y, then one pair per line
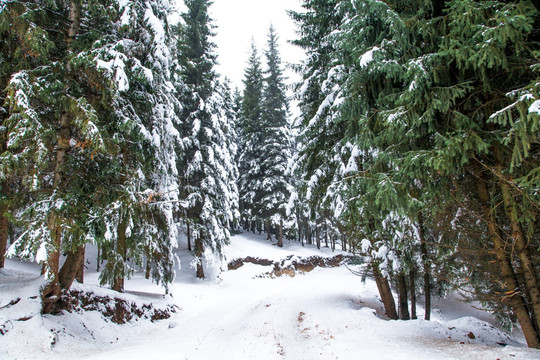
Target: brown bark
x,y
122,250
4,227
413,294
51,291
80,272
512,289
280,235
98,257
71,267
403,301
268,230
147,272
189,237
199,249
325,234
4,223
385,292
523,253
426,266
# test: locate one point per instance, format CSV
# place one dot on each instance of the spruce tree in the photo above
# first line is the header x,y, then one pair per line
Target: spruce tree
x,y
266,143
206,167
421,120
88,122
249,134
274,190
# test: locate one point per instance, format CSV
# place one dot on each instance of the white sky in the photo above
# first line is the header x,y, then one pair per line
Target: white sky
x,y
239,21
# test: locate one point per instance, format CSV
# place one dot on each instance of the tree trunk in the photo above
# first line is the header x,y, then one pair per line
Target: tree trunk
x,y
318,234
80,272
280,234
512,289
51,291
299,233
189,237
4,231
71,267
199,249
523,253
385,292
426,266
413,294
4,223
269,235
98,257
147,272
121,249
403,301
325,234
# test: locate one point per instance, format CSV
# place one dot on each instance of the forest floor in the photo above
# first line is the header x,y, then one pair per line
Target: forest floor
x,y
247,313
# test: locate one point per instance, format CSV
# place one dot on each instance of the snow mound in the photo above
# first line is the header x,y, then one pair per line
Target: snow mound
x,y
91,317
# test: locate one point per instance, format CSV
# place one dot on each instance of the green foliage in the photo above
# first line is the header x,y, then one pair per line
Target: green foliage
x,y
403,102
81,122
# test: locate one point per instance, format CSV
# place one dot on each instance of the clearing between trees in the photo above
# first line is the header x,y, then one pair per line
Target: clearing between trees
x,y
324,312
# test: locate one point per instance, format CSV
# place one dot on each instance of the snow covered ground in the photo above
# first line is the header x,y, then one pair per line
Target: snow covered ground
x,y
328,313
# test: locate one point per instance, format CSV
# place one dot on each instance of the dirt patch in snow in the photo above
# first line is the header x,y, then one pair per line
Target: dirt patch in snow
x,y
115,309
290,266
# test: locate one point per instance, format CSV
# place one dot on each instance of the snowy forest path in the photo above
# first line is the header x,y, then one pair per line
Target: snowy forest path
x,y
325,314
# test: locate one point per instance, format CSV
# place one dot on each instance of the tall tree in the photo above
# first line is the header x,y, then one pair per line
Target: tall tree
x,y
207,164
421,117
274,190
264,184
250,138
85,141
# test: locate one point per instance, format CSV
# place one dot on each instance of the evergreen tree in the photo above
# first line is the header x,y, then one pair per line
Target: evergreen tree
x,y
207,165
266,149
319,94
274,190
250,138
419,120
88,121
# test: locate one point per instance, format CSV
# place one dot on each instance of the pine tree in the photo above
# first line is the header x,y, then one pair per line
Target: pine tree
x,y
266,143
206,168
88,123
319,94
250,138
419,121
275,150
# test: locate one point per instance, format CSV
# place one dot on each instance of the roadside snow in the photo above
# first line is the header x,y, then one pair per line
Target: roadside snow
x,y
328,313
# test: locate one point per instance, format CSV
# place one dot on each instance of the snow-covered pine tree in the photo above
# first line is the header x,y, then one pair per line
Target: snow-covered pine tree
x,y
12,25
89,119
226,110
266,143
319,95
274,188
426,123
207,165
139,222
248,130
